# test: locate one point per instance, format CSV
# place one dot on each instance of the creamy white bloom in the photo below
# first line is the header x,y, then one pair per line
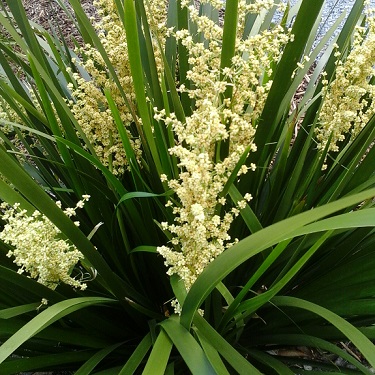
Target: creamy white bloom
x,y
38,247
348,101
201,225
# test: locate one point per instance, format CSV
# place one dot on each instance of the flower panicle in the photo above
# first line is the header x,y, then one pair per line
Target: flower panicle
x,y
348,100
37,246
200,231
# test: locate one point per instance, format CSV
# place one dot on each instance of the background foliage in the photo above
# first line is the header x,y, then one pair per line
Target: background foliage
x,y
301,273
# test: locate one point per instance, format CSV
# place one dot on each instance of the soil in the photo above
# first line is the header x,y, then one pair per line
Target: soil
x,y
51,16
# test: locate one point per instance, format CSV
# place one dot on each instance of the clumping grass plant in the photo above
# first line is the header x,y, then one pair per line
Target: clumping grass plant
x,y
167,205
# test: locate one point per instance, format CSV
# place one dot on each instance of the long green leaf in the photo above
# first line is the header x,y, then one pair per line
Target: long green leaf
x,y
46,318
7,194
159,357
130,155
19,14
232,356
274,254
138,79
271,125
187,346
362,218
250,306
137,357
212,355
315,342
44,362
141,194
363,344
229,37
248,215
271,362
252,245
90,364
18,310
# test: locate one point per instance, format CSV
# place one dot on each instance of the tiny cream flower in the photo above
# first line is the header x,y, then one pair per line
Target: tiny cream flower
x,y
197,211
248,197
241,204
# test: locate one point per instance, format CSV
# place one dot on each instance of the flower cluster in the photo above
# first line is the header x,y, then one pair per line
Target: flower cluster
x,y
156,12
5,117
90,106
38,248
348,101
8,116
203,217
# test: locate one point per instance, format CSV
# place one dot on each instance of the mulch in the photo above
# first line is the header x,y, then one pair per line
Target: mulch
x,y
51,16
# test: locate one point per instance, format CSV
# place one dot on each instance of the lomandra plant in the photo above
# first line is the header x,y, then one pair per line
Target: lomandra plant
x,y
170,207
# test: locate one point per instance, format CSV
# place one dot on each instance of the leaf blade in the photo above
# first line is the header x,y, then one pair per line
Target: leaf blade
x,y
44,319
